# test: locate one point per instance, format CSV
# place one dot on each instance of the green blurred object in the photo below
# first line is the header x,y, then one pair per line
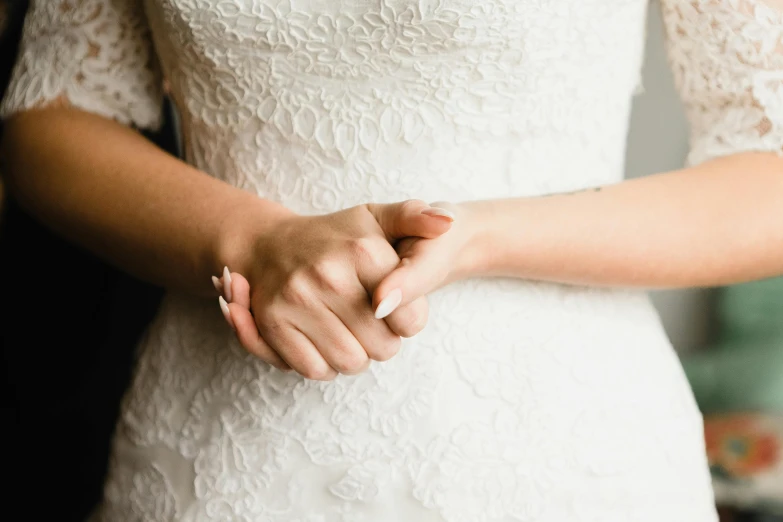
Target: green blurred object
x,y
743,370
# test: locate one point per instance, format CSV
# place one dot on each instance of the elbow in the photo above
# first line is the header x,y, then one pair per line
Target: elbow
x,y
15,149
25,153
10,142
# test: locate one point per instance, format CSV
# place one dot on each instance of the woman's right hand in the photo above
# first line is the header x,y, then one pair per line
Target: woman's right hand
x,y
309,281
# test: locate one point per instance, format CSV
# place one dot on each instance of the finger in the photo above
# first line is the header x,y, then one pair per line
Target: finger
x,y
226,280
226,312
251,340
379,342
240,290
335,342
411,280
299,352
408,320
218,283
411,218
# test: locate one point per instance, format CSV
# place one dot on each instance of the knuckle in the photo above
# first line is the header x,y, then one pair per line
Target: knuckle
x,y
371,254
296,289
323,269
385,350
268,318
362,247
351,362
317,372
328,274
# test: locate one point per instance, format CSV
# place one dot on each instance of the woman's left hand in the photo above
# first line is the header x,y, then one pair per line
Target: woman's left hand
x,y
429,264
425,265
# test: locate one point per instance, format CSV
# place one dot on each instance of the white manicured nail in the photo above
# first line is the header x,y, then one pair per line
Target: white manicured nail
x,y
226,311
389,303
439,212
218,284
227,282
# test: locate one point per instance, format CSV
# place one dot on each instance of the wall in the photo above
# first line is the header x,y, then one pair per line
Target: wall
x,y
658,142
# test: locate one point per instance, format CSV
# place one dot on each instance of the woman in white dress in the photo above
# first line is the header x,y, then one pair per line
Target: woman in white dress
x,y
543,387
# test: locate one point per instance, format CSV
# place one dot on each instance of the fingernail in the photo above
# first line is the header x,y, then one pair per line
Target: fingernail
x,y
227,283
218,284
439,212
389,303
226,311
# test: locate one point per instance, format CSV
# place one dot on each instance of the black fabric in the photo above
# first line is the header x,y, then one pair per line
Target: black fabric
x,y
10,33
68,328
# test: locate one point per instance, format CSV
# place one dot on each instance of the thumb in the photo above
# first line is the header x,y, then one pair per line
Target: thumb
x,y
411,218
413,278
240,290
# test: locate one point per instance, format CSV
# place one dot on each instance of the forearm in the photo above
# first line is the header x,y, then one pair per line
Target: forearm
x,y
107,188
714,224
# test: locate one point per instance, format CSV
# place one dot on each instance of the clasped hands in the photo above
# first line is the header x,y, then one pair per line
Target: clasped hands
x,y
324,295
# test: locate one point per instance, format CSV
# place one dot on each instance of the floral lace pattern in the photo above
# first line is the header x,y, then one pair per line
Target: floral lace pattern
x,y
727,57
520,401
93,54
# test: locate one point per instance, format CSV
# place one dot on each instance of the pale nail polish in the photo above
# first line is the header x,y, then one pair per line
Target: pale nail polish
x,y
227,283
389,303
225,310
439,212
218,284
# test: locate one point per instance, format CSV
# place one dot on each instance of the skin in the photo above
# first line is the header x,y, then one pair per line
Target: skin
x,y
718,223
168,223
311,277
715,224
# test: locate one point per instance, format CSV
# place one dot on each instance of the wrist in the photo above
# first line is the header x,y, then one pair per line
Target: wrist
x,y
249,220
476,256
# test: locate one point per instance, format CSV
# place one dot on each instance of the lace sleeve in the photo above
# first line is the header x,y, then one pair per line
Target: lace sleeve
x,y
92,54
727,58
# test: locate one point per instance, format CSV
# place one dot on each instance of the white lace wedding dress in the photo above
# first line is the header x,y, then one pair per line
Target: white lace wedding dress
x,y
521,401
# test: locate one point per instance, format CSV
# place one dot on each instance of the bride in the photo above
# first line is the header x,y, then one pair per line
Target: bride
x,y
535,382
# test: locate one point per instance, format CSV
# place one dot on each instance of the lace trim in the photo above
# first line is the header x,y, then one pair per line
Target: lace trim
x,y
92,54
727,57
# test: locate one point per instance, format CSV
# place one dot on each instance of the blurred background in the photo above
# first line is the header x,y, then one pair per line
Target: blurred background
x,y
730,340
658,142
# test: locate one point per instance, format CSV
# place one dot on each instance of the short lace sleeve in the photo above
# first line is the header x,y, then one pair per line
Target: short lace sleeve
x,y
92,54
727,58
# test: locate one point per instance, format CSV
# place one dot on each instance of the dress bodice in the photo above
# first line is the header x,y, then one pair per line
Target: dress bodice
x,y
321,105
326,104
519,401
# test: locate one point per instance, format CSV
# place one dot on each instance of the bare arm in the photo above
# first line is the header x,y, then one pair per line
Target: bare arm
x,y
714,224
86,71
717,222
107,188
